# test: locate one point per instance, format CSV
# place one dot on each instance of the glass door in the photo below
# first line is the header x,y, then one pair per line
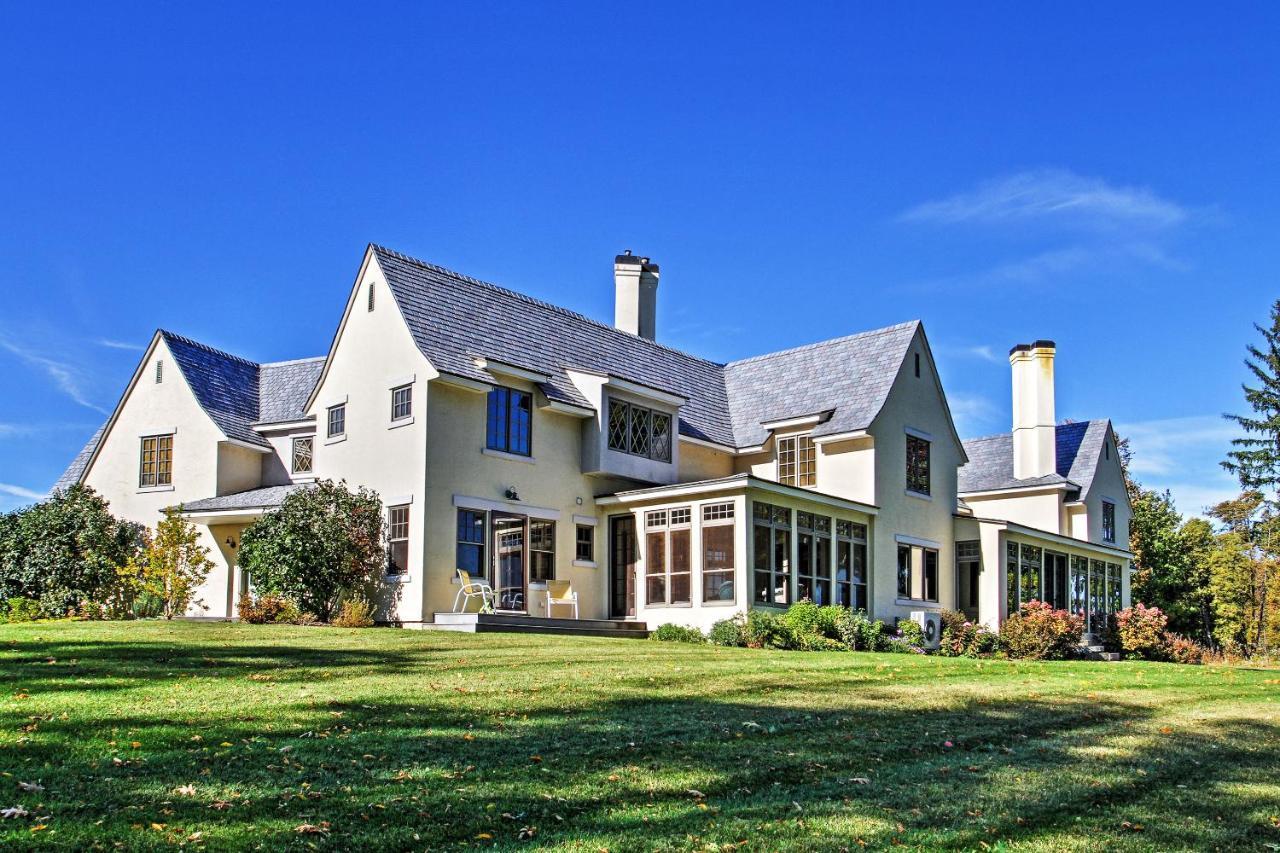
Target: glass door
x,y
622,565
510,535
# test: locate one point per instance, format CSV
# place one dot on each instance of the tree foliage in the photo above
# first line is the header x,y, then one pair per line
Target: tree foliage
x,y
323,541
172,565
1255,459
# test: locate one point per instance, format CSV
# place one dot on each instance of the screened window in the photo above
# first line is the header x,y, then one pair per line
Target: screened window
x,y
917,465
585,544
1108,521
470,551
397,540
917,573
771,553
813,533
302,448
1097,596
718,563
797,461
542,550
668,558
1079,595
851,565
510,421
337,420
155,467
639,431
401,402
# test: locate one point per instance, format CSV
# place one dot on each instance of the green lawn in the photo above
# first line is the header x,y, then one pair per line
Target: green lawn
x,y
151,735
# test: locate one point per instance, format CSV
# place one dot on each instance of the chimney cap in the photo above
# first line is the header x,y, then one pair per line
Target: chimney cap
x,y
1040,344
628,259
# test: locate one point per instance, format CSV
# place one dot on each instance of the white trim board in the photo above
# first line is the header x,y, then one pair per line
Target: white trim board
x,y
515,507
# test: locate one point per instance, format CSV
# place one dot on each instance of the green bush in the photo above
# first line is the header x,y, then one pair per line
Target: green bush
x,y
730,632
811,628
860,634
1141,631
672,633
356,612
962,638
1038,632
19,609
910,633
767,630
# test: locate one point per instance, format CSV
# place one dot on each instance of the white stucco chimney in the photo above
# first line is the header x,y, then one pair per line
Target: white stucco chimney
x,y
635,299
1034,443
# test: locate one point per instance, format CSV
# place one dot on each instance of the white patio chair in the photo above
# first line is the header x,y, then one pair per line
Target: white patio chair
x,y
473,589
561,594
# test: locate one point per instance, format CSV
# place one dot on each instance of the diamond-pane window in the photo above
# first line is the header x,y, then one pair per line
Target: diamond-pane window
x,y
302,448
639,431
617,425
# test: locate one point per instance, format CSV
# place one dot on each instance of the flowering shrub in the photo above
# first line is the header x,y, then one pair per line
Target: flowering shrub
x,y
1038,632
962,638
1179,649
1141,631
910,633
268,609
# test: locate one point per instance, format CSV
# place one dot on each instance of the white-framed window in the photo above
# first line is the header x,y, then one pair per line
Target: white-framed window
x,y
719,560
401,402
337,420
639,431
668,556
398,540
301,457
813,575
797,461
155,462
584,545
851,564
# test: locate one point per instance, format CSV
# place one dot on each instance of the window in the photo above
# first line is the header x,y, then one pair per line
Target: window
x,y
510,421
668,558
718,564
917,365
796,461
639,431
159,370
1108,521
401,402
585,544
771,553
1097,597
397,540
337,420
156,464
370,296
542,550
1035,575
814,570
301,463
851,565
917,573
470,552
968,569
1079,597
917,465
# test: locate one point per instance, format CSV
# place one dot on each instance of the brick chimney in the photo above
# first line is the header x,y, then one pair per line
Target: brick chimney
x,y
635,300
1034,442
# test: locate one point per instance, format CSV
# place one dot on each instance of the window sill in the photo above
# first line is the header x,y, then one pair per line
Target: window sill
x,y
920,495
405,578
146,490
502,454
403,422
586,564
302,478
668,606
916,602
719,603
336,439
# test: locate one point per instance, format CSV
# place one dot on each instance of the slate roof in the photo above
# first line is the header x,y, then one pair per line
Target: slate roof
x,y
455,319
266,497
225,385
75,470
1078,447
283,388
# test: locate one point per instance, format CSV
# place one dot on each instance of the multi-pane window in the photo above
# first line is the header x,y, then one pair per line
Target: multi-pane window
x,y
917,573
639,431
917,465
718,564
302,448
1108,521
542,550
1023,582
401,402
813,533
1097,596
851,565
470,551
968,569
771,553
510,421
585,544
337,420
668,558
797,461
155,466
1079,597
397,540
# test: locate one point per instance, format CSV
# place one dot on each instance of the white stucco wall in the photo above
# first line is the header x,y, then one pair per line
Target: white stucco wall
x,y
1040,509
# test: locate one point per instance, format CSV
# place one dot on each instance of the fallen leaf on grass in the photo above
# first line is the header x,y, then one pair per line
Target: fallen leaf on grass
x,y
860,780
31,786
185,790
312,829
13,811
696,794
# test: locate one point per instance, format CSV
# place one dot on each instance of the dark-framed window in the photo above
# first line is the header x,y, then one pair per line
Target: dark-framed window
x,y
968,572
398,540
639,431
917,572
719,562
917,465
1108,521
668,556
585,543
797,461
401,402
542,550
337,420
155,463
301,462
470,550
851,564
510,421
771,553
813,574
1024,564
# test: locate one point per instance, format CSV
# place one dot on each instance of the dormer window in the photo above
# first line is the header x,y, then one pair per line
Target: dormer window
x,y
797,461
638,431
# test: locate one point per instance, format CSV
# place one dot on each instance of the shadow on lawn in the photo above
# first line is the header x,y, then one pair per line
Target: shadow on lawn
x,y
454,768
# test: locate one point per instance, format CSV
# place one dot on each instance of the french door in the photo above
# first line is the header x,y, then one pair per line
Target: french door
x,y
622,566
510,562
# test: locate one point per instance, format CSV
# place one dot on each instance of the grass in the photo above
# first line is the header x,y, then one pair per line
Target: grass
x,y
217,736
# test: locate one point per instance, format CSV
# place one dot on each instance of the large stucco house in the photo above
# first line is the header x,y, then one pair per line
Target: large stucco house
x,y
524,442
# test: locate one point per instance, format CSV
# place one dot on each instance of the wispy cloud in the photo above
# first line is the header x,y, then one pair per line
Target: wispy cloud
x,y
20,492
1182,455
110,344
1056,195
974,414
66,377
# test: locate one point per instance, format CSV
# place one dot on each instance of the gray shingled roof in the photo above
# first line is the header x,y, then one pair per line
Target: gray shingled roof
x,y
225,385
267,497
283,388
1078,447
75,470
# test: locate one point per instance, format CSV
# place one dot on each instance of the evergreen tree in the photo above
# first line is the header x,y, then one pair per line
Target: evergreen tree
x,y
1255,459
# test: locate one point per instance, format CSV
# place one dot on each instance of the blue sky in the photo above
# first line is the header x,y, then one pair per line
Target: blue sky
x,y
1100,175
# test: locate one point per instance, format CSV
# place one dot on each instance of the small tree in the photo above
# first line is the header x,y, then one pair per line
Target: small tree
x,y
323,541
1256,457
173,563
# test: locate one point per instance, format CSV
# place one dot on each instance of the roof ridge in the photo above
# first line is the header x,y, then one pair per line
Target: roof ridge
x,y
541,303
292,361
1087,423
897,327
168,335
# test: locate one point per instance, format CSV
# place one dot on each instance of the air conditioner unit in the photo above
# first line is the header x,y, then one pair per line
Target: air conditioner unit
x,y
930,622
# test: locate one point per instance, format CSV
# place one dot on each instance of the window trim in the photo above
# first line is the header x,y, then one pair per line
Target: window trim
x,y
407,403
370,297
579,542
798,453
856,540
771,521
394,540
925,550
311,455
530,550
1108,524
341,410
663,523
159,371
481,546
711,515
156,472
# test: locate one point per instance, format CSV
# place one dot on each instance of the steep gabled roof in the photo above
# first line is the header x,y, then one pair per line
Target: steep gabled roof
x,y
75,470
283,388
225,385
1078,447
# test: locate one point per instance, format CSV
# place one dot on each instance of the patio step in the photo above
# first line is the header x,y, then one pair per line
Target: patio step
x,y
1098,652
513,623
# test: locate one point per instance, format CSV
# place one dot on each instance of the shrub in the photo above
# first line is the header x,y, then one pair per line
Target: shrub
x,y
910,632
730,632
19,609
859,633
672,633
766,630
811,628
962,638
1179,649
1038,632
268,609
356,612
1141,631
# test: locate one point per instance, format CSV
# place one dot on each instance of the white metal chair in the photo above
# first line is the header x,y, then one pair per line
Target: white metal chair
x,y
473,589
561,594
